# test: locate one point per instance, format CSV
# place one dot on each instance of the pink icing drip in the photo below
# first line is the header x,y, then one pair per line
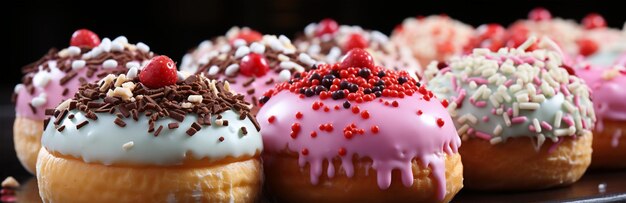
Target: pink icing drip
x,y
403,135
258,85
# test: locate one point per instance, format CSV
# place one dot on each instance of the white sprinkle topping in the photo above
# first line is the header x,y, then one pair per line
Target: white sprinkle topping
x,y
284,76
306,59
282,57
18,88
333,55
242,51
214,70
110,63
257,48
73,51
507,120
120,92
143,47
121,40
78,64
39,100
537,126
181,75
463,129
10,182
495,140
195,98
239,42
128,145
284,39
41,79
105,45
291,65
186,105
568,105
117,47
557,119
133,64
529,105
232,69
497,130
219,122
225,48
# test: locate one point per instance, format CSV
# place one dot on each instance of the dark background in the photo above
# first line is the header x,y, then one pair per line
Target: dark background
x,y
172,27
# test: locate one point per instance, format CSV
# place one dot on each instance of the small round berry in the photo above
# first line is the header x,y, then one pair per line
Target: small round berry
x,y
84,38
587,47
326,26
539,14
248,35
357,58
253,64
159,72
593,20
355,41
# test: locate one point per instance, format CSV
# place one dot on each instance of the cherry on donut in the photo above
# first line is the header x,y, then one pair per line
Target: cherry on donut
x,y
355,41
593,20
253,64
539,14
84,38
357,58
159,72
326,26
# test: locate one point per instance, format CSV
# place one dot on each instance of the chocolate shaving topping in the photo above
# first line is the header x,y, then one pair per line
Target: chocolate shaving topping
x,y
49,112
244,131
80,125
166,102
61,128
221,139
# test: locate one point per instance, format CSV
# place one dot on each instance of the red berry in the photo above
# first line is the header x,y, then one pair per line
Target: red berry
x,y
539,14
587,47
159,72
342,151
355,41
357,58
248,35
271,119
326,26
440,122
253,64
84,38
593,20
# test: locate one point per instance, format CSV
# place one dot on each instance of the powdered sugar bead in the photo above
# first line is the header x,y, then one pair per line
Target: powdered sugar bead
x,y
379,37
232,69
309,30
78,64
306,59
110,63
257,48
73,51
182,75
132,72
132,64
214,70
283,39
143,47
117,47
121,40
242,51
38,101
333,55
284,76
206,44
239,42
314,49
225,48
18,88
41,79
105,45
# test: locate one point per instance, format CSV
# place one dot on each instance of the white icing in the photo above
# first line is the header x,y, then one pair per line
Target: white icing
x,y
102,140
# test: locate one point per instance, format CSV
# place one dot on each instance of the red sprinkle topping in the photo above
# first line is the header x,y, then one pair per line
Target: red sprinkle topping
x,y
587,46
355,109
84,38
295,129
355,41
444,102
305,151
271,119
394,103
342,151
419,112
365,114
316,106
440,122
375,129
313,134
299,115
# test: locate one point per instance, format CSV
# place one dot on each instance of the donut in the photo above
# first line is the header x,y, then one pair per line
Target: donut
x,y
565,32
524,121
329,42
606,83
251,68
601,45
436,37
151,137
57,76
357,132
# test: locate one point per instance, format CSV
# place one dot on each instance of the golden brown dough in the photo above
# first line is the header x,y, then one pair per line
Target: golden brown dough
x,y
605,154
27,141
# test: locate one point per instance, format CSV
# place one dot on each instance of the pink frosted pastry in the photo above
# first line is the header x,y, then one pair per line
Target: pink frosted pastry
x,y
436,37
251,67
57,76
336,133
601,45
540,23
607,85
330,41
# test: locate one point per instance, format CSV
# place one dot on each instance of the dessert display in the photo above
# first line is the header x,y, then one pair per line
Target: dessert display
x,y
57,76
524,120
357,132
251,67
329,42
436,37
149,136
606,83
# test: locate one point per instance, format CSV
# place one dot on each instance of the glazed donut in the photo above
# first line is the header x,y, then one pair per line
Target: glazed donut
x,y
252,67
148,138
329,42
57,76
606,83
356,132
524,121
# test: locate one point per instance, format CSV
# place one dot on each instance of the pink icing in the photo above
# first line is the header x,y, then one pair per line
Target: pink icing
x,y
258,85
403,135
608,94
54,92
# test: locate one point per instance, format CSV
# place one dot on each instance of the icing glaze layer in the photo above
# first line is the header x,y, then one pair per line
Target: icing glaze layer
x,y
513,93
102,141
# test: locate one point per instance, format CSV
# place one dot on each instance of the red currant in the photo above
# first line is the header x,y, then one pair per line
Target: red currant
x,y
159,72
84,38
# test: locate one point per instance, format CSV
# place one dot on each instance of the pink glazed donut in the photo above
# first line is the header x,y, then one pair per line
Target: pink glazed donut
x,y
356,132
